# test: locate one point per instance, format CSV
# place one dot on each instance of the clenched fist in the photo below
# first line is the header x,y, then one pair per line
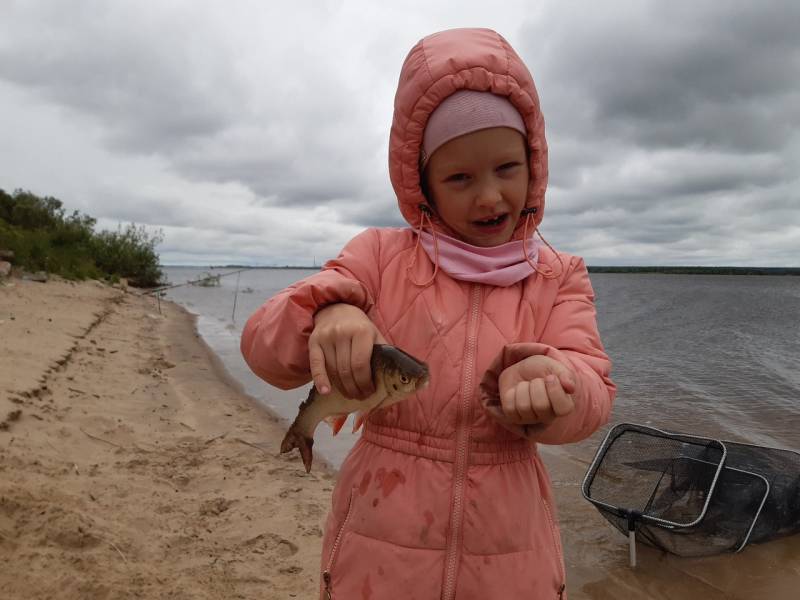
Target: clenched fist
x,y
537,390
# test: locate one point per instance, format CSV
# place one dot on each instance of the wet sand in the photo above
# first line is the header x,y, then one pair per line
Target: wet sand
x,y
131,466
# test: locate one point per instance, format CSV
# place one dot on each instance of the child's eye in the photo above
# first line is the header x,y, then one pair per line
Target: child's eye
x,y
508,165
457,177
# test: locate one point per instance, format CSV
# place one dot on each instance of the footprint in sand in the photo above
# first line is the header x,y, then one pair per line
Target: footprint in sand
x,y
272,544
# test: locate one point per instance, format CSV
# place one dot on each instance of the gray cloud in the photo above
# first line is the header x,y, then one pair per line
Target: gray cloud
x,y
673,127
673,74
374,212
156,90
122,68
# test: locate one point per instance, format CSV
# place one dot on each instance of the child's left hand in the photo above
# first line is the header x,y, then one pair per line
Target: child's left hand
x,y
537,390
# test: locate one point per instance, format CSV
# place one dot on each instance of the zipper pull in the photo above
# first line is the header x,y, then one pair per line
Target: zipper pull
x,y
561,591
326,577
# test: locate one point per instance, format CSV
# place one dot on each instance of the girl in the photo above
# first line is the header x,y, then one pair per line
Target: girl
x,y
445,495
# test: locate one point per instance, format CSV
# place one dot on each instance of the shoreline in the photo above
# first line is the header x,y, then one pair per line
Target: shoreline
x,y
138,467
321,463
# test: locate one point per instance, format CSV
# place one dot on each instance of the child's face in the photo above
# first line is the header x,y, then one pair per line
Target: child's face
x,y
479,184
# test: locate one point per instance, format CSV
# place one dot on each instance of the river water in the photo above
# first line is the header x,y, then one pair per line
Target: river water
x,y
711,355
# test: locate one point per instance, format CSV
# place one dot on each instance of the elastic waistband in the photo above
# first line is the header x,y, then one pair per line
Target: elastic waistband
x,y
444,449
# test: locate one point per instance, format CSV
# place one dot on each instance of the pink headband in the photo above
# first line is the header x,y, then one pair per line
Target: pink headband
x,y
464,112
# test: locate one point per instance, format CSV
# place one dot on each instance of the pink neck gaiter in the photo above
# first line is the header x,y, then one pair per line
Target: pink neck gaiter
x,y
502,265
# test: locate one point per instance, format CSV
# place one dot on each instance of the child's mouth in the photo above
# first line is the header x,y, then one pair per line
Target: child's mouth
x,y
492,223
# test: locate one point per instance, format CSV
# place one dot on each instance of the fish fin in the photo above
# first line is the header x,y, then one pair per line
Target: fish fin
x,y
295,439
336,422
361,416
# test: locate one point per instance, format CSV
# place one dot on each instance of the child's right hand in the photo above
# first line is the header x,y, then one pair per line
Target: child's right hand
x,y
340,349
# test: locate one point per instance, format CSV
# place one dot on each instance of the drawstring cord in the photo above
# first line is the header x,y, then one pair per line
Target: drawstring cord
x,y
548,273
425,212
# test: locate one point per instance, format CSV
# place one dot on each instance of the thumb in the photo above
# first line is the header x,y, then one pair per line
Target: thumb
x,y
316,361
566,376
567,381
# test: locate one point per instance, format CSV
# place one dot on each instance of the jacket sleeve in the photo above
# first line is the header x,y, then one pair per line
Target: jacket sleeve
x,y
275,339
570,336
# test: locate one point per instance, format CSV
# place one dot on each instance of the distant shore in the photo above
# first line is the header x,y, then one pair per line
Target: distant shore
x,y
670,270
700,270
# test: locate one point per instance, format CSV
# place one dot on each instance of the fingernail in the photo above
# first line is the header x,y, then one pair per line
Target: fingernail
x,y
550,378
324,389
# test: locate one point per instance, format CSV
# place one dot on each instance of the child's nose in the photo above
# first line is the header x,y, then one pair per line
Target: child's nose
x,y
489,195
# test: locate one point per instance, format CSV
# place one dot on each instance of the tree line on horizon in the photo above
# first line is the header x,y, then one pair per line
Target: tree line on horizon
x,y
44,237
691,270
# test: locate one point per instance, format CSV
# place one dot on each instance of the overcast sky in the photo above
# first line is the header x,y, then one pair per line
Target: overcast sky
x,y
255,133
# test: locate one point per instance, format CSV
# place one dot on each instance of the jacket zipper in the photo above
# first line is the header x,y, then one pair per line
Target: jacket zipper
x,y
463,425
556,547
326,574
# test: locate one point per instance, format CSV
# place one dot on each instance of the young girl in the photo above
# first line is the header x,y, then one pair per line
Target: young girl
x,y
444,495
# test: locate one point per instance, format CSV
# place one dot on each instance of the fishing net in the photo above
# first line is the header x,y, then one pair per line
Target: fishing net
x,y
693,496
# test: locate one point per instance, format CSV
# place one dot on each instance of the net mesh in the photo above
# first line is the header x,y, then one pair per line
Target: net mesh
x,y
694,496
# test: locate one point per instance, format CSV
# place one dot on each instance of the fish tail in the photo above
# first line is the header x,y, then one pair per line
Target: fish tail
x,y
295,439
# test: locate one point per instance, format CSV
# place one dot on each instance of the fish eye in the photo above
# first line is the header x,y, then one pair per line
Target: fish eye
x,y
404,379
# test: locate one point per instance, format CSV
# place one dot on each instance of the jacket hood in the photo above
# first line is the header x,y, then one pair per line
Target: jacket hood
x,y
438,66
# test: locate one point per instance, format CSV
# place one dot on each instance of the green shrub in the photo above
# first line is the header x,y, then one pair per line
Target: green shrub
x,y
44,238
129,252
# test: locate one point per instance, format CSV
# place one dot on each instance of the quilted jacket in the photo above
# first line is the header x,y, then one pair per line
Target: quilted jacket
x,y
437,499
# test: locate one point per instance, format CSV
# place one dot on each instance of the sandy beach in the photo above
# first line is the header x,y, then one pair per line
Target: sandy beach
x,y
132,466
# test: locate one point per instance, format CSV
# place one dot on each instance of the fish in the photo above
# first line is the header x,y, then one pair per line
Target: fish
x,y
396,375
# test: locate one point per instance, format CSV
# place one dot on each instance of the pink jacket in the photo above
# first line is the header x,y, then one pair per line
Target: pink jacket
x,y
437,499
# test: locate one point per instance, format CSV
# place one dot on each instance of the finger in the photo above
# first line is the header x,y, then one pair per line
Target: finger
x,y
567,381
523,402
561,402
507,380
540,400
509,405
360,355
319,375
329,351
344,368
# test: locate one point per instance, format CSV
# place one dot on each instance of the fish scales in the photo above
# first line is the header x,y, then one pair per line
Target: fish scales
x,y
395,375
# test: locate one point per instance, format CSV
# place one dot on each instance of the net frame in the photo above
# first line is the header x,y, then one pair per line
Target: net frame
x,y
615,433
618,514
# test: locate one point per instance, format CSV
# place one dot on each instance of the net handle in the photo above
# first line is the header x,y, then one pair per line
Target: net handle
x,y
632,517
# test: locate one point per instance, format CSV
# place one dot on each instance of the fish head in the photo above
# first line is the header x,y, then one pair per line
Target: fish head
x,y
401,373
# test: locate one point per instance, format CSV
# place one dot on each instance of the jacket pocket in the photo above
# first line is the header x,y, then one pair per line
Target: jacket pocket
x,y
326,574
556,549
